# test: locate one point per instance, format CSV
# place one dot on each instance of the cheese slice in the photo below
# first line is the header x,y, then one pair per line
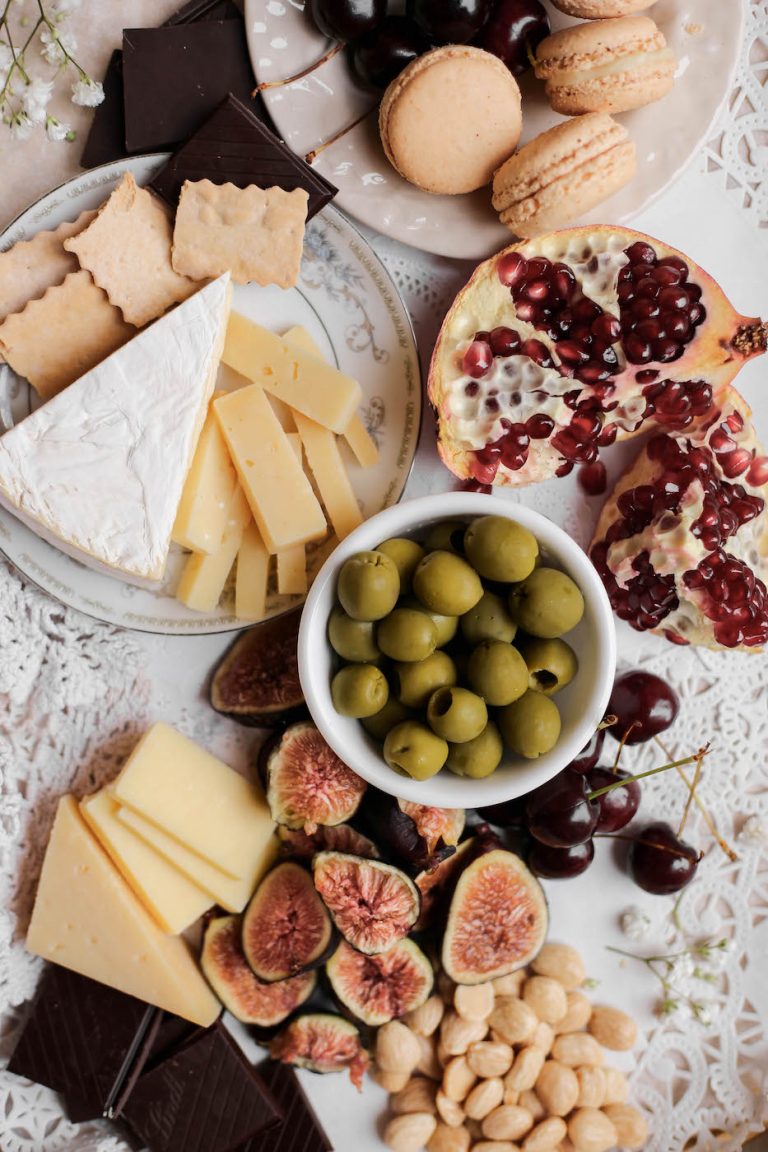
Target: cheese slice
x,y
87,919
173,900
197,799
99,470
203,577
302,381
201,518
252,576
280,495
231,894
291,563
330,475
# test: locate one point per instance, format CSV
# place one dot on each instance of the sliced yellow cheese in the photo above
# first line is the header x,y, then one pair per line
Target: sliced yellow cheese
x,y
86,918
303,381
173,900
203,577
284,414
201,518
197,799
291,563
330,475
284,506
231,894
252,576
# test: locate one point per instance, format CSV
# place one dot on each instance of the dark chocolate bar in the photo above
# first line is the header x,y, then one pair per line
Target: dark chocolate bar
x,y
234,147
173,78
204,10
300,1131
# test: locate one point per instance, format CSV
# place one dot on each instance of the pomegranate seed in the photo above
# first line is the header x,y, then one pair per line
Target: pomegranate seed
x,y
581,331
537,352
476,486
538,290
511,268
694,291
472,388
525,310
626,292
637,351
734,463
648,330
564,469
477,359
504,341
697,314
647,375
665,274
606,327
674,299
608,435
609,358
676,325
758,471
572,352
539,427
563,281
665,350
720,441
482,335
592,373
593,478
537,268
675,262
645,309
647,288
675,637
586,309
640,253
735,421
585,425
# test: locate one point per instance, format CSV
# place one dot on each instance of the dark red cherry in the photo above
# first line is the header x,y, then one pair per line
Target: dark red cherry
x,y
449,21
645,701
660,862
560,863
379,56
508,814
347,19
559,813
618,806
590,753
514,31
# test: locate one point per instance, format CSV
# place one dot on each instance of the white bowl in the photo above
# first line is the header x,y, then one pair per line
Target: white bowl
x,y
582,703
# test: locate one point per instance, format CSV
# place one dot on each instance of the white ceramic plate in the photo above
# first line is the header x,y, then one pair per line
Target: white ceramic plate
x,y
704,34
347,301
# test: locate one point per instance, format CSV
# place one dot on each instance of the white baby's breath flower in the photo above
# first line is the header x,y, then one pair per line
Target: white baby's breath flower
x,y
61,8
754,833
35,97
635,923
6,57
55,45
87,92
21,126
55,130
680,969
668,1007
705,1011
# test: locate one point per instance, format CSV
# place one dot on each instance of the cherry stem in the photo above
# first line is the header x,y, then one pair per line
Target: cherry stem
x,y
329,55
622,742
691,794
651,772
721,843
313,155
607,722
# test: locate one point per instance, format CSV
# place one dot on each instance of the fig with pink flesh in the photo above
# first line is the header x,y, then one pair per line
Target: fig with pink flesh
x,y
326,838
306,782
380,988
436,885
286,927
497,920
257,679
322,1042
372,904
233,981
416,836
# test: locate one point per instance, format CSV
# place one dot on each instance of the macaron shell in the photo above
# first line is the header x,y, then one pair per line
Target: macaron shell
x,y
601,9
450,119
620,92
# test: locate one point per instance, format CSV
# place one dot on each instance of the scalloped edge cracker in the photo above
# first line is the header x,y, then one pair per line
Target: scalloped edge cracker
x,y
257,234
127,250
28,267
57,339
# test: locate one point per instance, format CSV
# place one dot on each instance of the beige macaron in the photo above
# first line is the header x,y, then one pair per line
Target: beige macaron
x,y
563,173
601,9
450,118
606,66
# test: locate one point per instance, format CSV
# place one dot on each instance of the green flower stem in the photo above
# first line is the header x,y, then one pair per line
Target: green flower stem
x,y
54,32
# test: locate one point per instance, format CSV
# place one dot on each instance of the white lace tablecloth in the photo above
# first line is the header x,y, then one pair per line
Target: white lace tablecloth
x,y
75,694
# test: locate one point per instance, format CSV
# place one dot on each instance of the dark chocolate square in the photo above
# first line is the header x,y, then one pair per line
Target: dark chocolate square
x,y
300,1131
234,146
173,78
204,10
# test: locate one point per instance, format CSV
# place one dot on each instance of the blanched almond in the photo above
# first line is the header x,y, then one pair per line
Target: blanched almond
x,y
546,997
418,1095
543,1037
390,1081
558,1088
456,1034
528,1099
612,1028
490,1058
426,1018
630,1125
483,1098
616,1086
397,1047
591,1087
474,1001
510,984
562,963
577,1013
458,1079
449,1111
507,1122
525,1070
428,1063
446,1139
513,1020
409,1133
577,1048
590,1130
545,1136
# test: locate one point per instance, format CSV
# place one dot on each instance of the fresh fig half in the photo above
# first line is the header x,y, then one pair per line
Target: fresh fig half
x,y
286,927
436,885
229,975
372,904
257,679
326,838
322,1042
306,782
497,921
416,836
380,988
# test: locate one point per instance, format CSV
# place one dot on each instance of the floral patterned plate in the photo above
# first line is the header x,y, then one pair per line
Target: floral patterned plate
x,y
347,301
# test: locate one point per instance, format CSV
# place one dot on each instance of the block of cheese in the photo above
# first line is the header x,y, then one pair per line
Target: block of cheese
x,y
201,518
252,576
197,799
284,506
173,900
87,918
99,470
231,894
302,381
203,577
330,475
291,563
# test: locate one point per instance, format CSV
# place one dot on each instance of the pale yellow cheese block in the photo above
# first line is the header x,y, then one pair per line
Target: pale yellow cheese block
x,y
197,799
173,900
252,576
301,380
87,919
291,563
231,894
330,475
203,577
201,518
284,506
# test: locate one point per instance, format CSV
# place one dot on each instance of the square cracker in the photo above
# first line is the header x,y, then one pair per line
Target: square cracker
x,y
255,233
31,266
127,250
59,337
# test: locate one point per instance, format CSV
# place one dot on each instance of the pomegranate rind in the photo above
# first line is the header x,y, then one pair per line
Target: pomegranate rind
x,y
377,989
326,838
227,971
286,927
372,904
322,1042
307,783
497,922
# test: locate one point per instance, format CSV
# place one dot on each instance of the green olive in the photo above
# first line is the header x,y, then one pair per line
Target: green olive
x,y
352,639
412,748
456,714
479,757
359,690
531,725
447,626
551,664
497,672
387,717
415,683
446,536
547,603
368,586
488,620
406,555
445,583
406,634
500,549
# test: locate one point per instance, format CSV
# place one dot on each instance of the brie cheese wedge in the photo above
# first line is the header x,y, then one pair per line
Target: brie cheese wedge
x,y
99,470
